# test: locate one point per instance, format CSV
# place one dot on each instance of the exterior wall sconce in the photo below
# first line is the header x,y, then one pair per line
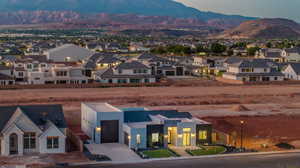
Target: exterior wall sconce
x,y
193,135
179,135
98,129
129,137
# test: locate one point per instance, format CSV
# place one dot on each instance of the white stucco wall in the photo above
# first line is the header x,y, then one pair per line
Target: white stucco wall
x,y
88,120
52,132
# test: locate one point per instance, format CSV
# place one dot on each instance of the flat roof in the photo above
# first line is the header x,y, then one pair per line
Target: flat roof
x,y
102,107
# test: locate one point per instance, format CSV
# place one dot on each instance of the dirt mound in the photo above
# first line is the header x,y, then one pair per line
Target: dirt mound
x,y
240,108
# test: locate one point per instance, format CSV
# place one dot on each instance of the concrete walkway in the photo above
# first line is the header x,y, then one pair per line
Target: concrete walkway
x,y
116,152
181,150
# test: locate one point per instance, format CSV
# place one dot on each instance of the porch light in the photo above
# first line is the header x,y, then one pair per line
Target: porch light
x,y
129,137
98,129
179,135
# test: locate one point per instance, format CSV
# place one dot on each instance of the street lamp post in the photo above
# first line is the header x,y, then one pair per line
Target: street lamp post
x,y
242,132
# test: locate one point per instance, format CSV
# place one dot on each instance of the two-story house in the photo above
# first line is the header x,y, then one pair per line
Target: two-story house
x,y
291,54
254,70
58,74
273,54
127,72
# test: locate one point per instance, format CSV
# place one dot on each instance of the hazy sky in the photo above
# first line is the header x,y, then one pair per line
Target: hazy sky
x,y
261,8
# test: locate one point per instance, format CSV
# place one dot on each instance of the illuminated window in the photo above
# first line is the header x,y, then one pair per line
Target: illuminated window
x,y
186,129
138,138
155,137
202,135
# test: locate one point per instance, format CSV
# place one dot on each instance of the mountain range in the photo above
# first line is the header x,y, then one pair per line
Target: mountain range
x,y
142,15
139,7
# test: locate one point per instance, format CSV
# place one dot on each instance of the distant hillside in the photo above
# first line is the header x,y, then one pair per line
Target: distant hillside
x,y
263,28
140,7
68,19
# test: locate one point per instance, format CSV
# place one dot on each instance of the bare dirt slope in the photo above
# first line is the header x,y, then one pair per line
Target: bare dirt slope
x,y
193,99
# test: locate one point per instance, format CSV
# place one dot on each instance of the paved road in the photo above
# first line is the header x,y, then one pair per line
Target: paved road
x,y
260,161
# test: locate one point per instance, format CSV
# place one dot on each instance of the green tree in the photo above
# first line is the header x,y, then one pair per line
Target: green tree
x,y
230,52
252,50
218,48
269,45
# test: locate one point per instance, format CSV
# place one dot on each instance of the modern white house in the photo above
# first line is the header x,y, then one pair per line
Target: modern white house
x,y
255,70
57,74
140,128
127,72
32,129
102,122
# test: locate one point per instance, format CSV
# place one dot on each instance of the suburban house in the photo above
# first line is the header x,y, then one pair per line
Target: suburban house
x,y
292,71
291,54
6,80
127,72
140,128
32,129
255,70
68,53
273,54
57,74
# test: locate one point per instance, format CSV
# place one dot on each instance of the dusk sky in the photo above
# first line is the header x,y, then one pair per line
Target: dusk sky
x,y
261,8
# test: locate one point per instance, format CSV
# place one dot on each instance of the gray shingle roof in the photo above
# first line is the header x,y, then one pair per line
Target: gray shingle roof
x,y
296,67
39,114
132,65
91,62
146,56
254,63
108,60
5,77
233,60
293,50
273,55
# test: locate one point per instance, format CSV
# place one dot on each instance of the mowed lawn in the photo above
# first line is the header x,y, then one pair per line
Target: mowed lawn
x,y
207,150
159,153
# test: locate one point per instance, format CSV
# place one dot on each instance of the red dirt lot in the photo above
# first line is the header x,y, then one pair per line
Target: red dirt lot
x,y
259,130
43,160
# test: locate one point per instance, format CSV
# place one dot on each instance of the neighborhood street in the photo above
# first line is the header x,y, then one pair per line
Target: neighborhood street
x,y
289,160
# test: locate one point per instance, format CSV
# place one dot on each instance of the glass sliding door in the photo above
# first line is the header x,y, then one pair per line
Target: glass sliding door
x,y
186,139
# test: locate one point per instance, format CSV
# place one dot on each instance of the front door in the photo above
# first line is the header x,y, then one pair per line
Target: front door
x,y
110,131
186,139
13,144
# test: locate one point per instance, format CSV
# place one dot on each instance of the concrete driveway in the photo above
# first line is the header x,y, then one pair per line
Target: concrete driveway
x,y
116,152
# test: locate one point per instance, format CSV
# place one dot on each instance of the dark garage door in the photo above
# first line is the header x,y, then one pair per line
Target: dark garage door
x,y
110,131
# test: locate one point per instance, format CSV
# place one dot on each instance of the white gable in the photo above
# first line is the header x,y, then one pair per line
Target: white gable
x,y
22,121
